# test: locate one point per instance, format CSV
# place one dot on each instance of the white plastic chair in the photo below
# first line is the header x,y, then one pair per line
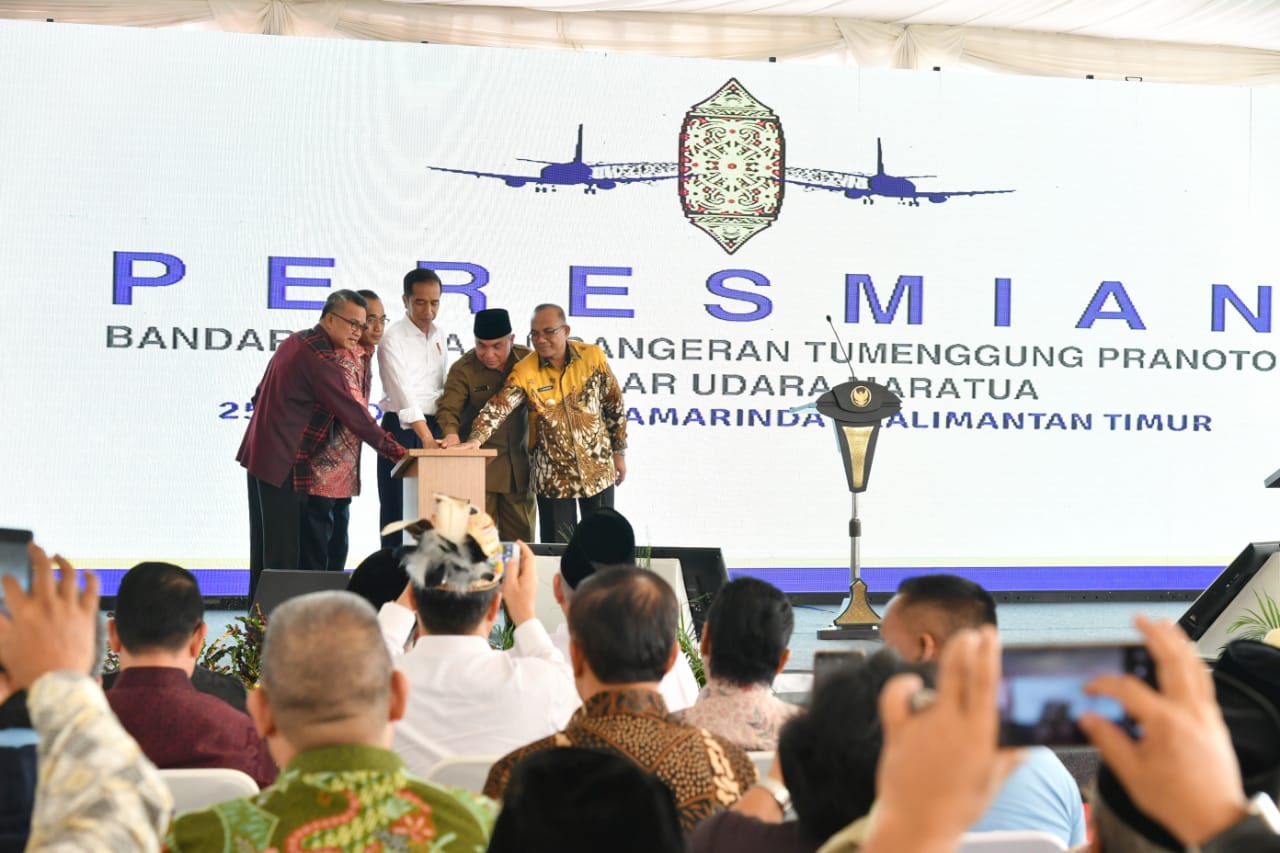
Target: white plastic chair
x,y
1010,841
194,789
763,761
467,772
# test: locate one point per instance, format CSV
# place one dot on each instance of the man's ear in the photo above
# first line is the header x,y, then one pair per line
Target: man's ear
x,y
113,637
929,647
671,658
399,696
576,658
705,646
197,639
495,607
557,589
784,659
264,722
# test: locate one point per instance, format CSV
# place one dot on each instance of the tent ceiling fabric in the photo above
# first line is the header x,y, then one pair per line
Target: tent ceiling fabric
x,y
1192,41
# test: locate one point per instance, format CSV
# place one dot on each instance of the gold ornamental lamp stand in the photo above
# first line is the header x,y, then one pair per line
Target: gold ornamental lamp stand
x,y
857,410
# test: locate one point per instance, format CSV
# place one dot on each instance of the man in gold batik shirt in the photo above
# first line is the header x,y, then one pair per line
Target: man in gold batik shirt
x,y
578,424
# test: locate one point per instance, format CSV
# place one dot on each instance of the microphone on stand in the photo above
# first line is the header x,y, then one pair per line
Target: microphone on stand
x,y
847,353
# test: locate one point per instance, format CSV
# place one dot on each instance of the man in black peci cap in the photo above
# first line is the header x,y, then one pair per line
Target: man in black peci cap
x,y
472,380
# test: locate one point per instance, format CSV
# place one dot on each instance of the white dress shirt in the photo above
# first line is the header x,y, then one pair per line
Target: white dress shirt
x,y
468,699
412,367
679,688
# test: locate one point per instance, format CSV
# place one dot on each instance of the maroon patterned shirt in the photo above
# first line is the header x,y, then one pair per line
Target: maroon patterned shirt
x,y
301,395
178,726
335,467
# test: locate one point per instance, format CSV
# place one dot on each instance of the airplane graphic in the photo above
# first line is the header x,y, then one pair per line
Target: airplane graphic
x,y
574,173
883,185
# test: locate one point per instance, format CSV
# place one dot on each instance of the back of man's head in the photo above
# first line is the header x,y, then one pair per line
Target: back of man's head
x,y
965,603
326,673
624,621
748,627
929,609
571,799
158,608
453,587
829,753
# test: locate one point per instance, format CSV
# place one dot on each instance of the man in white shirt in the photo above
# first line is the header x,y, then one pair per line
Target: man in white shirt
x,y
465,698
412,362
605,538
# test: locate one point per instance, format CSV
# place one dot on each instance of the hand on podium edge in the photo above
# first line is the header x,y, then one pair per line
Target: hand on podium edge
x,y
468,445
450,440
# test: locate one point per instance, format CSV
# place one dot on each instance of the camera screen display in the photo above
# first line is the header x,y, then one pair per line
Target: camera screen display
x,y
1042,691
14,559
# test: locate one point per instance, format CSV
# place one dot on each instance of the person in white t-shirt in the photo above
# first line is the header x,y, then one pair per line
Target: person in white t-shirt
x,y
603,539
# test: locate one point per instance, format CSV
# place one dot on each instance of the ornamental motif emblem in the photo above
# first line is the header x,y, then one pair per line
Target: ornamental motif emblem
x,y
860,396
731,166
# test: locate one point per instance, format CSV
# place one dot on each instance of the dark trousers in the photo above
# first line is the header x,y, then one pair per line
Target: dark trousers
x,y
513,513
558,517
391,490
275,519
324,533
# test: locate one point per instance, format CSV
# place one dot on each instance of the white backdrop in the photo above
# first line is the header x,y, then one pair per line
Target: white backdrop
x,y
226,151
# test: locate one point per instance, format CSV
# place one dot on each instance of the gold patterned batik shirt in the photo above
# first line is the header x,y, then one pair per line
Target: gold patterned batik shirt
x,y
706,773
577,421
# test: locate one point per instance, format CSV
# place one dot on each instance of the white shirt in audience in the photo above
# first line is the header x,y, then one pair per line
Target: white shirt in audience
x,y
465,698
679,689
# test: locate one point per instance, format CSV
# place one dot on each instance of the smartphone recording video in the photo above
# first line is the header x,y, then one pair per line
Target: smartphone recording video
x,y
1042,690
14,559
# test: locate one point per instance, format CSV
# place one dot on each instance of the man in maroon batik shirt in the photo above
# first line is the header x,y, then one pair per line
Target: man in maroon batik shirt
x,y
301,395
336,468
158,630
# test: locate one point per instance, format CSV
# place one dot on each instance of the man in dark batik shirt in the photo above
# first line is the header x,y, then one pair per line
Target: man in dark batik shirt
x,y
297,402
622,627
335,469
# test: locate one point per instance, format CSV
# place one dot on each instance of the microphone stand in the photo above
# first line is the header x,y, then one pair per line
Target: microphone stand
x,y
857,408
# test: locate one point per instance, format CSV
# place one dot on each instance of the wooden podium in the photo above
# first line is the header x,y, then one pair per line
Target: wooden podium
x,y
453,472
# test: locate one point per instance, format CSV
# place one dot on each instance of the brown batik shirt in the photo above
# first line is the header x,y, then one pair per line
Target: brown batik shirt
x,y
706,773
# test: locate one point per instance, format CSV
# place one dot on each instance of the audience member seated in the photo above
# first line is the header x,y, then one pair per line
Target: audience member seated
x,y
605,538
326,703
744,645
1041,794
18,741
585,801
1181,771
159,630
1245,682
465,697
826,768
226,687
96,789
622,628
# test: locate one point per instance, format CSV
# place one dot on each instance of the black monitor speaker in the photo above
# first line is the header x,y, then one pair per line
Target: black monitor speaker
x,y
276,586
703,570
1225,600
